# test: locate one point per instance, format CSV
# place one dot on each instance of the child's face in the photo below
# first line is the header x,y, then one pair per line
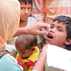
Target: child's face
x,y
24,52
25,10
57,34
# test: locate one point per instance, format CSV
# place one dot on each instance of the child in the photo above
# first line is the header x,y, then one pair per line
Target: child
x,y
28,51
25,17
60,35
60,32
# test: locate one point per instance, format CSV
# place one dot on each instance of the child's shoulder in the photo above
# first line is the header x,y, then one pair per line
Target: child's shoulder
x,y
32,20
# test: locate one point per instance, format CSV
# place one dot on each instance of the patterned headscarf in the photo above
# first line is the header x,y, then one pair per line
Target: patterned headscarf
x,y
9,20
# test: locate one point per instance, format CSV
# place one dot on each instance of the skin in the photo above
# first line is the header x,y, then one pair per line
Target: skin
x,y
36,29
58,33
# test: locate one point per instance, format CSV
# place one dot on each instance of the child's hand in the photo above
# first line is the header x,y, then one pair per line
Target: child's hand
x,y
44,51
43,46
40,50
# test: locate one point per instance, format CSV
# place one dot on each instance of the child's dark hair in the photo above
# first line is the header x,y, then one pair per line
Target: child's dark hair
x,y
29,1
28,40
66,20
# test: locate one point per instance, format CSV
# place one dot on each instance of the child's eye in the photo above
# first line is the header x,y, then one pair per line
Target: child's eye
x,y
22,7
51,27
23,53
29,8
59,30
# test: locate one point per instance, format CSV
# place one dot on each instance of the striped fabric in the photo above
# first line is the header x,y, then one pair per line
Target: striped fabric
x,y
49,9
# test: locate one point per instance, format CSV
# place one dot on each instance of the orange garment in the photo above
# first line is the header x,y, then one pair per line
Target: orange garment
x,y
9,21
49,9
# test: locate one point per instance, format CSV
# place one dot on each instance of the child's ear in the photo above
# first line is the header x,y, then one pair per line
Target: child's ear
x,y
68,41
33,48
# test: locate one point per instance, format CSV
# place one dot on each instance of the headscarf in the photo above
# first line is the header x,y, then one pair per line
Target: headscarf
x,y
9,20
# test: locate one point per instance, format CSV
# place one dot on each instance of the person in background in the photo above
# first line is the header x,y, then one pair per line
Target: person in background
x,y
9,23
28,52
60,35
46,10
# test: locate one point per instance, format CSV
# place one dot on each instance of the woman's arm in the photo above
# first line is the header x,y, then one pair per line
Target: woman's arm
x,y
34,29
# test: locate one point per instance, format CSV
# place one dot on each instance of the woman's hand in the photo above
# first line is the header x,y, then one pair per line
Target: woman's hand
x,y
35,29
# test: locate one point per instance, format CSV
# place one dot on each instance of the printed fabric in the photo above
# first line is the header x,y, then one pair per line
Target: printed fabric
x,y
28,63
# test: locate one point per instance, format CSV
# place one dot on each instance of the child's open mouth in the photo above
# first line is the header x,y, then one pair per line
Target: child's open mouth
x,y
50,36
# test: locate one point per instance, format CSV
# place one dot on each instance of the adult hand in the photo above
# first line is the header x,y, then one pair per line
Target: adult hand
x,y
35,29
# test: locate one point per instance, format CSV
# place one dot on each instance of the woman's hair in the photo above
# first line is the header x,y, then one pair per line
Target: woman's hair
x,y
29,1
66,20
26,39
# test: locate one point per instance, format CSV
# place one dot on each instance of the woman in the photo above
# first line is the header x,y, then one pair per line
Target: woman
x,y
9,22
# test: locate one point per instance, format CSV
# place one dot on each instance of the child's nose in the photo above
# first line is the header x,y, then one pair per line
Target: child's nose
x,y
52,30
26,11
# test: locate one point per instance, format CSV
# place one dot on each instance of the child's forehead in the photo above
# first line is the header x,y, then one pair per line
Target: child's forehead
x,y
21,48
58,22
25,2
